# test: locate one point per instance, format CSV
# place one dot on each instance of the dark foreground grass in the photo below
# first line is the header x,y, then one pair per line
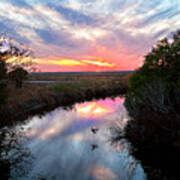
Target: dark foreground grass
x,y
35,99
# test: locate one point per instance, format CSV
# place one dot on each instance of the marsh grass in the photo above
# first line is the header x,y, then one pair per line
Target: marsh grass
x,y
33,99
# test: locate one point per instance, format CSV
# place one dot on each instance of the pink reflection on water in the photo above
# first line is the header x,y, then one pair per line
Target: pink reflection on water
x,y
99,108
102,173
62,139
84,115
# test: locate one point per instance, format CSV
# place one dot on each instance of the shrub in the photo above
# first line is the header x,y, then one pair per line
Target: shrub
x,y
153,98
18,75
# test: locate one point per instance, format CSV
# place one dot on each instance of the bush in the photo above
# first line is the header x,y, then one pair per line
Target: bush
x,y
153,98
18,76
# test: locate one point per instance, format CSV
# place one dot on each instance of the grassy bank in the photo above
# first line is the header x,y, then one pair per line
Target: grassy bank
x,y
33,99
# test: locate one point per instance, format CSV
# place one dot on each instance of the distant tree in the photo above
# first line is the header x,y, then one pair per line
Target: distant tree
x,y
18,76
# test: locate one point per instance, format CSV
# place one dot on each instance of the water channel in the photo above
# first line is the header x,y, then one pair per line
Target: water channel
x,y
72,144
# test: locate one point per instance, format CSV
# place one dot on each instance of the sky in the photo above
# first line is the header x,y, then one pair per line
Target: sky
x,y
89,35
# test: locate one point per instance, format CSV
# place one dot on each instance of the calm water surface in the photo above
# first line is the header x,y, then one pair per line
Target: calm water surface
x,y
73,144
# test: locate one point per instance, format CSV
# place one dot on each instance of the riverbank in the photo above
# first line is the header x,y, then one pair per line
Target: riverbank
x,y
154,140
35,99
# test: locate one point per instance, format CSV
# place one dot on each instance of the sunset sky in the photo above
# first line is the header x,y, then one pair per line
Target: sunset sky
x,y
89,35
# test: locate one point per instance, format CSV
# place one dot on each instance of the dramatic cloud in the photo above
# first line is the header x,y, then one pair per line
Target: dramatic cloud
x,y
86,35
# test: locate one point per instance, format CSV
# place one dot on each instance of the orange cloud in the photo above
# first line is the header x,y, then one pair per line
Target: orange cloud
x,y
67,62
72,62
62,62
99,63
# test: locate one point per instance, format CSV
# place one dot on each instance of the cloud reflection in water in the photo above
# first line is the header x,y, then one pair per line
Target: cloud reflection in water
x,y
61,143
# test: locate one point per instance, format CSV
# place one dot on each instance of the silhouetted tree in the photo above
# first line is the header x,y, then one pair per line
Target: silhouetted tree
x,y
18,76
15,54
163,61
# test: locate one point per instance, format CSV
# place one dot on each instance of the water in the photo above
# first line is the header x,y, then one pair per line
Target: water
x,y
73,144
